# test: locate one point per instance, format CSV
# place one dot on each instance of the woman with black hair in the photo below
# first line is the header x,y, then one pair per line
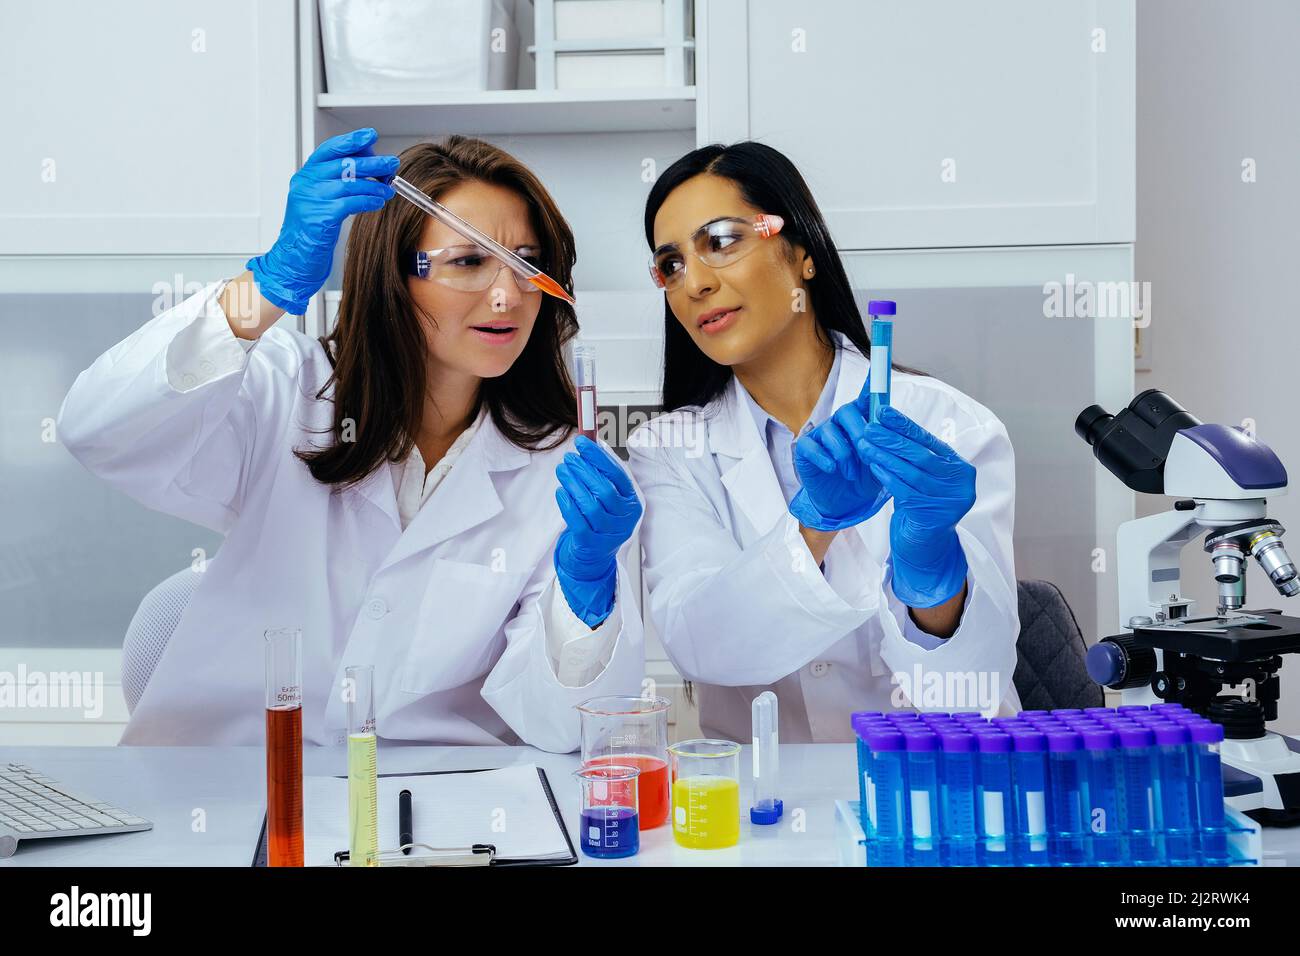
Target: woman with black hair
x,y
789,543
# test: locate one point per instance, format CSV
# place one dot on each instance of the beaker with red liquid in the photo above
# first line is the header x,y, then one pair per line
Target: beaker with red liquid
x,y
584,383
284,747
633,732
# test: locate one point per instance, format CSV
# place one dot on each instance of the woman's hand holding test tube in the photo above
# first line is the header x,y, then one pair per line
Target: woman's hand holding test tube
x,y
933,488
600,508
838,489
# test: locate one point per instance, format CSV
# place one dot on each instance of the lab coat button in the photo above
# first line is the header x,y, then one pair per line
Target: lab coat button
x,y
205,365
188,380
376,608
819,668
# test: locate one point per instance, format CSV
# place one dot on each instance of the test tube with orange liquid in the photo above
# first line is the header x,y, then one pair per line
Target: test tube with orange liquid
x,y
284,747
584,383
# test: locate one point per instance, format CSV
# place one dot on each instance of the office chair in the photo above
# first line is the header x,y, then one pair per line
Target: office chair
x,y
1050,671
150,630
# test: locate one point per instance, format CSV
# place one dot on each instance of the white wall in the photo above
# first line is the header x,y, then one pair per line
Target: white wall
x,y
1217,83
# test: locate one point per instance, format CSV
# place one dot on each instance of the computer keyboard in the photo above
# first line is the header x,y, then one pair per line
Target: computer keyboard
x,y
34,807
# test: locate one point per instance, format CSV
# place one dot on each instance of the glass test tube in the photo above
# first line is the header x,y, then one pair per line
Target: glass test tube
x,y
284,747
363,770
584,383
767,808
1105,812
882,349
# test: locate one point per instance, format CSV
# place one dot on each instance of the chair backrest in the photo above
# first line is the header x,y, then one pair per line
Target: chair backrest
x,y
150,630
1050,671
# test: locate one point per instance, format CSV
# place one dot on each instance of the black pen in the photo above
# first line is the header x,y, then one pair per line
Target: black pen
x,y
404,834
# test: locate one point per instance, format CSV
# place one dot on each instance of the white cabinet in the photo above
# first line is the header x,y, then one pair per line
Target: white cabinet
x,y
149,128
937,123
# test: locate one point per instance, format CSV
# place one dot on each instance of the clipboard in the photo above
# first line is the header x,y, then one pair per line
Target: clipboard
x,y
259,853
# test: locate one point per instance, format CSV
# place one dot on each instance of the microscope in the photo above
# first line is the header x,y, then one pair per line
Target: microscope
x,y
1222,478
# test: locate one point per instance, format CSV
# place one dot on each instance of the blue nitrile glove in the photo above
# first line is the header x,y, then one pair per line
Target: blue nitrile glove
x,y
933,488
331,186
838,490
600,509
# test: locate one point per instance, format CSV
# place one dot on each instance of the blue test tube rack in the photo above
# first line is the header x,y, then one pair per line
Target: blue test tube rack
x,y
1128,786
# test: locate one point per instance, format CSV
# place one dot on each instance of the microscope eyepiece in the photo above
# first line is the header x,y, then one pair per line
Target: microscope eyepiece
x,y
1091,422
1133,444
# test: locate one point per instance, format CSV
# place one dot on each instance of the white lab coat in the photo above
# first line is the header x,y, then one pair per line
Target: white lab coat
x,y
451,612
741,606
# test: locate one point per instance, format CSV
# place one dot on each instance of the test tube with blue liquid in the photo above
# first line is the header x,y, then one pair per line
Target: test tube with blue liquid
x,y
1207,770
889,791
882,312
923,796
1176,792
994,801
1137,779
1105,817
610,827
1029,781
1065,810
957,798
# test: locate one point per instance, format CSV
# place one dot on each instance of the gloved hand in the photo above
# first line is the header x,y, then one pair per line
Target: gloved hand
x,y
838,490
600,508
933,488
331,186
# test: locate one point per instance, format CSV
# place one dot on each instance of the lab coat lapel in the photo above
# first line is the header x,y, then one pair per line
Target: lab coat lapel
x,y
746,469
465,498
377,488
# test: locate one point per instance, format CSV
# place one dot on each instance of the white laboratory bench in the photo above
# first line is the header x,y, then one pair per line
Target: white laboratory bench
x,y
169,785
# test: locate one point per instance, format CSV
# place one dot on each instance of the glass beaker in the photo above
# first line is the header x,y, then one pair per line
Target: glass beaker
x,y
706,793
609,827
632,732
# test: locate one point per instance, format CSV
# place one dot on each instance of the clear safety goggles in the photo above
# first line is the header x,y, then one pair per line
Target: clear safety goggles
x,y
469,268
717,244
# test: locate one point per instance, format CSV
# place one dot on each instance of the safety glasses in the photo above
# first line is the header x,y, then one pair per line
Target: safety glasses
x,y
717,244
469,268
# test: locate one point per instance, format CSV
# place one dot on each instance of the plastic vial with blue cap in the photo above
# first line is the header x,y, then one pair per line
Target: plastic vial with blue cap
x,y
1029,781
994,801
923,793
1137,777
882,312
766,809
957,798
1207,769
887,800
1175,788
1105,817
1065,812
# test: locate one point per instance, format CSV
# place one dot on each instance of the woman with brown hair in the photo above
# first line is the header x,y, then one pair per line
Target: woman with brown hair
x,y
390,488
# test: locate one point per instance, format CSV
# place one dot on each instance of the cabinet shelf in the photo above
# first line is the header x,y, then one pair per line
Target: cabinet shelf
x,y
515,111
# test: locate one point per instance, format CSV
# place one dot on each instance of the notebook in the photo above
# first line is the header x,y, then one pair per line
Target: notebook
x,y
512,809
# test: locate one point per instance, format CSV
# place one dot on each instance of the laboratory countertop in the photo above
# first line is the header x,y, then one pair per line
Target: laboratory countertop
x,y
223,788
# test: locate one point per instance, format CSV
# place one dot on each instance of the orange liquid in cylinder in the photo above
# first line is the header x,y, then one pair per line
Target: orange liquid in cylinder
x,y
284,787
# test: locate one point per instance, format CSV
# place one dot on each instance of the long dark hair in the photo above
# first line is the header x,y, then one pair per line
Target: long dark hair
x,y
771,183
378,347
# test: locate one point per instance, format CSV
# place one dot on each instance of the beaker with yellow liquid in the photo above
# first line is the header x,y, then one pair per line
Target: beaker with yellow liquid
x,y
706,793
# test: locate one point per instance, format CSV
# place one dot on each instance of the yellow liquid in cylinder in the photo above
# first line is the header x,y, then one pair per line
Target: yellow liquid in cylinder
x,y
363,800
706,812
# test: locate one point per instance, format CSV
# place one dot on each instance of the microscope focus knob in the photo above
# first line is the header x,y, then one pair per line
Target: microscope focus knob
x,y
1117,662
